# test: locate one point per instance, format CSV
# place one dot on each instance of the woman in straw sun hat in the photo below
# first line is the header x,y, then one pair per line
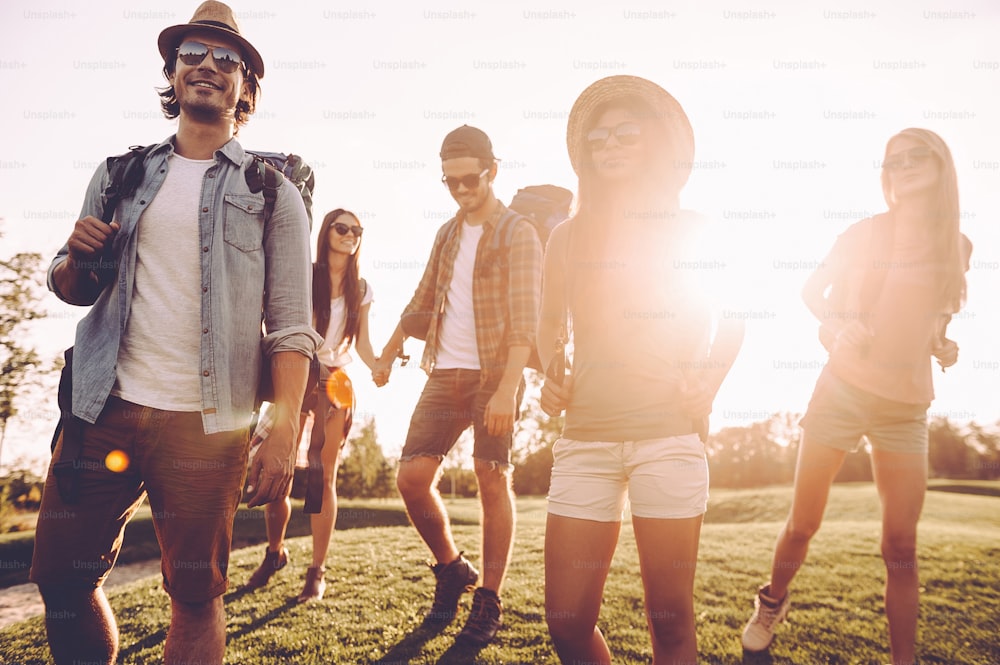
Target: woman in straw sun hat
x,y
645,369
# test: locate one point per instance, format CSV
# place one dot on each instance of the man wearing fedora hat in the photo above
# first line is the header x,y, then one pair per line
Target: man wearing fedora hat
x,y
166,362
480,312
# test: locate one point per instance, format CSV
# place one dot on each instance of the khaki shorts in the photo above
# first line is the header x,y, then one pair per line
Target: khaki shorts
x,y
663,478
452,400
842,416
193,481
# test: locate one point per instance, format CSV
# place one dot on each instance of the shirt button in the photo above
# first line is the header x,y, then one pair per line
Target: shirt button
x,y
205,373
211,175
204,249
204,331
204,209
204,289
142,203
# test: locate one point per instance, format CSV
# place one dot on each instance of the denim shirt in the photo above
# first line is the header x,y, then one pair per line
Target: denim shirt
x,y
247,267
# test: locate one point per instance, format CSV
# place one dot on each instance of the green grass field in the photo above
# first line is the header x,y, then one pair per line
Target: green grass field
x,y
378,589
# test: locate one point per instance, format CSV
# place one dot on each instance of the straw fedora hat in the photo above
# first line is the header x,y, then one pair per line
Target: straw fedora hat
x,y
665,108
215,17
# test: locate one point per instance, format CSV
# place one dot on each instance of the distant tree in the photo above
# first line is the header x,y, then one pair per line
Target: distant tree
x,y
20,297
761,453
986,443
950,455
457,481
364,470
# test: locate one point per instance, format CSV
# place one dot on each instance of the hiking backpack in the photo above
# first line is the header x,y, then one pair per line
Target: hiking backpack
x,y
545,206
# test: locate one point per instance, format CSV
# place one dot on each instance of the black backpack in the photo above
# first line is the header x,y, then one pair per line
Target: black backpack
x,y
125,175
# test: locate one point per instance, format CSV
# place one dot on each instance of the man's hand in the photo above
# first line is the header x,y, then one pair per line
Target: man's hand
x,y
88,239
555,397
946,353
273,466
75,279
501,412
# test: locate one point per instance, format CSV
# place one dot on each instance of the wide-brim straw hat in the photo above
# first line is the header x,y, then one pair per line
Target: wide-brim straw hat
x,y
215,17
665,108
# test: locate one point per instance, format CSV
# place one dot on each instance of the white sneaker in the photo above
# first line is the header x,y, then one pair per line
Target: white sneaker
x,y
767,614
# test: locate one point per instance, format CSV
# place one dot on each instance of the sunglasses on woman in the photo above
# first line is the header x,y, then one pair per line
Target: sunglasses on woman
x,y
344,229
626,133
916,156
193,53
471,181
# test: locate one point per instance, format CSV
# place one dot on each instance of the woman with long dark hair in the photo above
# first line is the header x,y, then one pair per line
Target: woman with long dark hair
x,y
622,278
341,300
883,295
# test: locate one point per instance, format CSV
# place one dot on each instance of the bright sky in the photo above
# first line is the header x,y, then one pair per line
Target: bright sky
x,y
791,103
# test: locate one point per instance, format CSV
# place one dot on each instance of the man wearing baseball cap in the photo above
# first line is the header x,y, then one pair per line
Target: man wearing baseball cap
x,y
477,308
166,362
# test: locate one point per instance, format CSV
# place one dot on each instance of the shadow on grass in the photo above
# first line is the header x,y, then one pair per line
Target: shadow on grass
x,y
127,654
977,490
261,620
757,658
411,645
460,653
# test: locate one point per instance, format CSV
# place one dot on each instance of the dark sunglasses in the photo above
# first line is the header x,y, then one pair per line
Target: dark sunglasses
x,y
916,156
627,133
471,181
343,229
225,58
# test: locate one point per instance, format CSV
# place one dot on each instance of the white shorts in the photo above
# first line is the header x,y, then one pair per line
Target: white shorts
x,y
665,478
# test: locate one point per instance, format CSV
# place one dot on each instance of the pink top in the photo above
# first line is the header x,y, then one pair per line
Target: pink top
x,y
905,319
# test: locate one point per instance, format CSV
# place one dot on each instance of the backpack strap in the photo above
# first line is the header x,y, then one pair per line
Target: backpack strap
x,y
262,177
125,173
503,237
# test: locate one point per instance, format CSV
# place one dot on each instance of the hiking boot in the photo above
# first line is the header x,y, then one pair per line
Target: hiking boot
x,y
273,562
484,620
767,614
315,585
453,579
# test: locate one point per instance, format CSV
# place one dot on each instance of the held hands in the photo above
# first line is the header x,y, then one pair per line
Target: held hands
x,y
946,353
381,371
555,397
273,466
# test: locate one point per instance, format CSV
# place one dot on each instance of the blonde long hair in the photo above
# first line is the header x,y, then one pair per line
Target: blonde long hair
x,y
947,237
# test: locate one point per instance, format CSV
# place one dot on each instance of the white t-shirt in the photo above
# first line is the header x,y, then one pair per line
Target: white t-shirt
x,y
457,347
159,356
331,353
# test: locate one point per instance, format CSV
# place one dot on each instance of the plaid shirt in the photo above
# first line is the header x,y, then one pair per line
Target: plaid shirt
x,y
505,301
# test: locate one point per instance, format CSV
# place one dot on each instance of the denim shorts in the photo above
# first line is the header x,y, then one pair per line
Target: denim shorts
x,y
663,478
452,400
193,481
841,415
